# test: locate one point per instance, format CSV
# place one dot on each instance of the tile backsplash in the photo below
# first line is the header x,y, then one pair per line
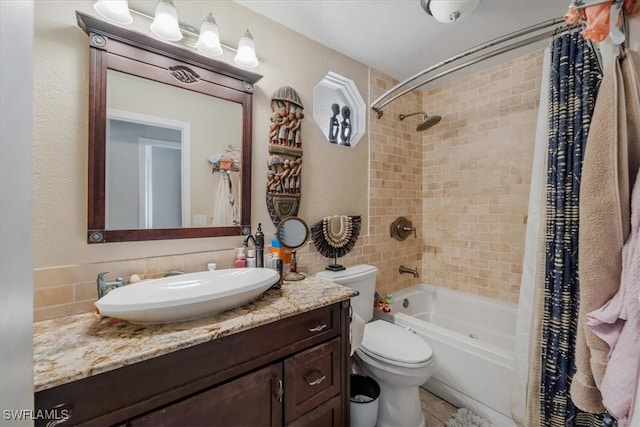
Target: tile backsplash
x,y
64,290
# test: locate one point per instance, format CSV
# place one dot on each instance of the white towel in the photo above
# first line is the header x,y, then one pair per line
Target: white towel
x,y
357,331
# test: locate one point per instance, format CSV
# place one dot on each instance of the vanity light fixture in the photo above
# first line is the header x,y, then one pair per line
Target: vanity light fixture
x,y
165,23
165,26
246,55
116,11
209,39
448,11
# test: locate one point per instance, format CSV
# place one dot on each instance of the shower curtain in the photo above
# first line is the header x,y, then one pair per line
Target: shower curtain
x,y
554,289
533,264
575,78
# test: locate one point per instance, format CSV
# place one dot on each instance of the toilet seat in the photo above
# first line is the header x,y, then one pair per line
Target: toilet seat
x,y
395,345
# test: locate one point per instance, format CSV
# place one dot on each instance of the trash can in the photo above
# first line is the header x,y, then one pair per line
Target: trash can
x,y
365,392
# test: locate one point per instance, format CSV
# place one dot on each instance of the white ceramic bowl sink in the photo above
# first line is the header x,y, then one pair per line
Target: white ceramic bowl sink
x,y
186,296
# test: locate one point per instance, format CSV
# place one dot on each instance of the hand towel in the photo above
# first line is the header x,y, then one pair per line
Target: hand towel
x,y
611,158
618,323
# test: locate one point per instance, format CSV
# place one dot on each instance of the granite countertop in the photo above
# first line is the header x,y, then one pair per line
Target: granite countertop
x,y
79,346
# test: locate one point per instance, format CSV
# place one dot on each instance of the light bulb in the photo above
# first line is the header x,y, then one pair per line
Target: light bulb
x,y
165,24
246,56
448,11
209,40
116,11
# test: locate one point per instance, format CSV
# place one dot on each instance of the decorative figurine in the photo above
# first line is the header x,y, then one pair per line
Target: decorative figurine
x,y
334,124
285,149
345,129
298,129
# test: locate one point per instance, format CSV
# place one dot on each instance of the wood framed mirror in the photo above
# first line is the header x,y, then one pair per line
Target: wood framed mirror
x,y
169,139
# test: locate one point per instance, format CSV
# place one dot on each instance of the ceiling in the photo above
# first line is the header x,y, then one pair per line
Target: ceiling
x,y
397,37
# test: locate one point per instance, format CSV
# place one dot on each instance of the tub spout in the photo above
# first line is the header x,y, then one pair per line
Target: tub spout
x,y
413,271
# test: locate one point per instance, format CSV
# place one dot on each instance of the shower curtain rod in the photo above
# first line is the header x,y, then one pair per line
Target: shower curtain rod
x,y
378,104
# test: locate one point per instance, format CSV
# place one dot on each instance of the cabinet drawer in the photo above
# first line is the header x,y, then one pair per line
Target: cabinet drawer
x,y
329,414
311,378
322,323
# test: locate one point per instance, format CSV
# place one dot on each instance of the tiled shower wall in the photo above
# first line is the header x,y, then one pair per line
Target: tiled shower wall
x,y
477,171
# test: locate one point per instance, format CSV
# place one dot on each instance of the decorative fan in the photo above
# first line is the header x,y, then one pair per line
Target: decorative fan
x,y
335,236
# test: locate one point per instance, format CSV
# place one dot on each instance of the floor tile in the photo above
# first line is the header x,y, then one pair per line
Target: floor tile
x,y
436,411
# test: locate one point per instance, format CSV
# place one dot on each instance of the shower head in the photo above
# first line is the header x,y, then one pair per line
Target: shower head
x,y
426,123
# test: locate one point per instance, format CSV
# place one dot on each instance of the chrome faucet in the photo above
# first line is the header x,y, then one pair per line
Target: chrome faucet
x,y
413,271
104,286
258,242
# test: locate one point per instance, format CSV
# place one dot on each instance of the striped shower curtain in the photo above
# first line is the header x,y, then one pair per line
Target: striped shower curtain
x,y
574,81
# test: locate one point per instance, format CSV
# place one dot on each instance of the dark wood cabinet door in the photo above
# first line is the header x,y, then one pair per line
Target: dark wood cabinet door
x,y
311,378
329,414
252,400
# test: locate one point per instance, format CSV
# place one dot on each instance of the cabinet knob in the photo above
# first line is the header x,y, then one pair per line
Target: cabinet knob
x,y
314,377
317,327
278,391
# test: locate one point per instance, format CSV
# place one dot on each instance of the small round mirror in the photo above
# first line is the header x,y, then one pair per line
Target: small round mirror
x,y
292,232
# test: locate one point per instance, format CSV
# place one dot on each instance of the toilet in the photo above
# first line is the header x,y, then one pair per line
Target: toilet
x,y
397,359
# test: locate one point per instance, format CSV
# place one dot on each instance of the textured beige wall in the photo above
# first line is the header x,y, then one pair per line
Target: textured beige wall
x,y
477,171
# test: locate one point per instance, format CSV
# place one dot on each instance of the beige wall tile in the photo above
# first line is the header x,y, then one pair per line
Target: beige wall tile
x,y
56,295
487,149
51,312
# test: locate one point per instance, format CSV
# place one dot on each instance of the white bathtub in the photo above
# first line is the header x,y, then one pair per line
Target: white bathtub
x,y
472,338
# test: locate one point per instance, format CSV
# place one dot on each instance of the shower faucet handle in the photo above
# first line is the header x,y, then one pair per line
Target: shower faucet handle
x,y
415,234
401,228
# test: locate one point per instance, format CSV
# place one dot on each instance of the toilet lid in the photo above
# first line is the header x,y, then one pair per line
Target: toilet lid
x,y
394,343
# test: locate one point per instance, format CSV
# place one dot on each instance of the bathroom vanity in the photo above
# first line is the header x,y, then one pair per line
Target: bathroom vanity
x,y
280,360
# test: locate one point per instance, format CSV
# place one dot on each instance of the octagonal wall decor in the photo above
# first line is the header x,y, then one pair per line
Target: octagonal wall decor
x,y
339,110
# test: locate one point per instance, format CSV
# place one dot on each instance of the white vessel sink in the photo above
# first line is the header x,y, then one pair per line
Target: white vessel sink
x,y
186,296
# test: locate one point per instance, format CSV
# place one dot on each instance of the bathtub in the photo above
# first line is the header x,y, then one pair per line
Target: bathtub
x,y
472,338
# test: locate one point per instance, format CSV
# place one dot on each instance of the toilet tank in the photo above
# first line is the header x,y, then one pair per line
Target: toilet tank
x,y
362,278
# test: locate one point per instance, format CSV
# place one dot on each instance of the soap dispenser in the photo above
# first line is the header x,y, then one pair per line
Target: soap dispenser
x,y
240,261
251,258
259,247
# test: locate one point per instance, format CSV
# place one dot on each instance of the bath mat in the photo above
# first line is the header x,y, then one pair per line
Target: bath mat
x,y
466,418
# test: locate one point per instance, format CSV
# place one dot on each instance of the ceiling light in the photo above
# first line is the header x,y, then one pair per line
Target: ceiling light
x,y
165,24
209,40
116,11
448,11
246,56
